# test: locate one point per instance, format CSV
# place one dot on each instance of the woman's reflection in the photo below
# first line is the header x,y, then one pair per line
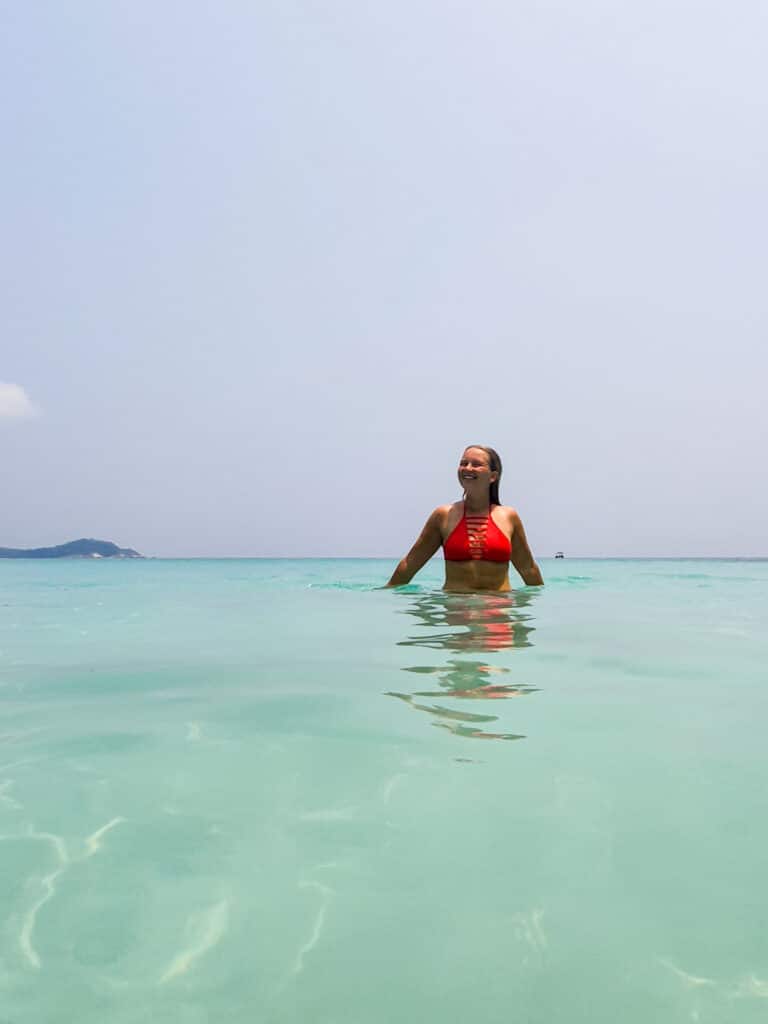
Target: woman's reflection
x,y
480,623
485,622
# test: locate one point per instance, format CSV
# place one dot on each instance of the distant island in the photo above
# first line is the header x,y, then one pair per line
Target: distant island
x,y
85,548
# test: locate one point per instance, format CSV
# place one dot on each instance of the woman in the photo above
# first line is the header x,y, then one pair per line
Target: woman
x,y
479,536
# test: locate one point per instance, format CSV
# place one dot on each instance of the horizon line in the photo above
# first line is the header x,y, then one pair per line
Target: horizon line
x,y
382,558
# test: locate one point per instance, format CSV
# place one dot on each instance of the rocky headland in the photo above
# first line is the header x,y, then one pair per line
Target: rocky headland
x,y
84,548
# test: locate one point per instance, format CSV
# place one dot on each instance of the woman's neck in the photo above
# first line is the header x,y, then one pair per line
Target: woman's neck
x,y
476,505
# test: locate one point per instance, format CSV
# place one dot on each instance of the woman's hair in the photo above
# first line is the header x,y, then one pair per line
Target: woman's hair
x,y
494,461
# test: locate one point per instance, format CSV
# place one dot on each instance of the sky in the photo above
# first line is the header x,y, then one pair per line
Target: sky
x,y
269,266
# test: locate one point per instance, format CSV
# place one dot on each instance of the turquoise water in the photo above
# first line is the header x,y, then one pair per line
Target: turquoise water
x,y
263,791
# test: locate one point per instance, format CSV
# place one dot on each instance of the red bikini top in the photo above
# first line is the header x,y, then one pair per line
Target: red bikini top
x,y
478,538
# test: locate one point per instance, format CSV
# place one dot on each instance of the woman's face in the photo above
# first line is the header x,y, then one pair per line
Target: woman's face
x,y
475,472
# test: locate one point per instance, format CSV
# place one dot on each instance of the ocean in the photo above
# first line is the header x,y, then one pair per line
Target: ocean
x,y
268,791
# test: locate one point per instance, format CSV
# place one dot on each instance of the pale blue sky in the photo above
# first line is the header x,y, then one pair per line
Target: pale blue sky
x,y
267,267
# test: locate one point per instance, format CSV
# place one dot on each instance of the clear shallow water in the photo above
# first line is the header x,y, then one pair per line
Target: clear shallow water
x,y
265,791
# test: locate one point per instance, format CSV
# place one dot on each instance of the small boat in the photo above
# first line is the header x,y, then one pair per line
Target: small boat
x,y
559,554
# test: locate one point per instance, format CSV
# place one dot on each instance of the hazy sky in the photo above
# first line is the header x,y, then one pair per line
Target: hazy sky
x,y
268,266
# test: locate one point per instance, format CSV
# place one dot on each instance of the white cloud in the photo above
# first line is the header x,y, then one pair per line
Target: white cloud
x,y
15,403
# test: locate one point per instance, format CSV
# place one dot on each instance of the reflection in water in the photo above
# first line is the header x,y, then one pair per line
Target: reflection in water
x,y
481,623
487,622
457,718
469,679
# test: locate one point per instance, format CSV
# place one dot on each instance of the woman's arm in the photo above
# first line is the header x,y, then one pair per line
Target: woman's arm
x,y
429,541
522,558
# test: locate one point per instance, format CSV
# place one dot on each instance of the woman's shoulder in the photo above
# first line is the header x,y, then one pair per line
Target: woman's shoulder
x,y
510,514
447,513
441,512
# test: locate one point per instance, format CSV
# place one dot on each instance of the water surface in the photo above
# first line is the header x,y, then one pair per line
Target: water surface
x,y
267,791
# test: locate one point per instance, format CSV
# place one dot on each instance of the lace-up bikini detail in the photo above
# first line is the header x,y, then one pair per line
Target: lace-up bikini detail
x,y
477,531
477,538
